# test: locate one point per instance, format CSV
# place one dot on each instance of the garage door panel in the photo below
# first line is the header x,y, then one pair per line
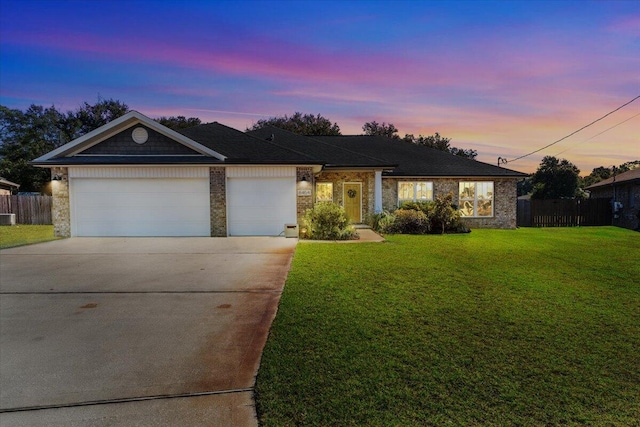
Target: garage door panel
x,y
140,207
139,214
260,206
173,202
137,229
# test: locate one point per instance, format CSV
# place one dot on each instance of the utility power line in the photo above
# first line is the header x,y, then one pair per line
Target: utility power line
x,y
503,160
598,134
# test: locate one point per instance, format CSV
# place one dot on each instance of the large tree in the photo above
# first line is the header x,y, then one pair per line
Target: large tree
x,y
302,124
27,135
178,122
441,143
555,179
601,172
435,141
89,117
381,129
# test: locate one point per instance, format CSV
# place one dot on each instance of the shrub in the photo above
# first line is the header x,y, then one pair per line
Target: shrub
x,y
408,221
380,221
327,221
424,207
441,216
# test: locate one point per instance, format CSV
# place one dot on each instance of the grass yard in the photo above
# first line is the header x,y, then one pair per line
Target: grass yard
x,y
527,327
18,235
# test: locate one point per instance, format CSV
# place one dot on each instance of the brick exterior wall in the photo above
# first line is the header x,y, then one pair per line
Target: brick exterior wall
x,y
629,196
123,143
218,201
304,202
504,199
338,178
60,208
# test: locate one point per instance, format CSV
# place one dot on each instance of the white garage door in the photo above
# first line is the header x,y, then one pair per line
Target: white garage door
x,y
260,206
140,207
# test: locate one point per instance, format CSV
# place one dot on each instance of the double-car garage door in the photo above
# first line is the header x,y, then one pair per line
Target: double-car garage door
x,y
175,201
120,201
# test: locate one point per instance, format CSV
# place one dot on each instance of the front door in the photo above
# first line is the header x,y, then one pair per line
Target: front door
x,y
353,201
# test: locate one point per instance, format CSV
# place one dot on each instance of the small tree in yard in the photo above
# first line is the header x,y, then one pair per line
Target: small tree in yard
x,y
444,215
327,221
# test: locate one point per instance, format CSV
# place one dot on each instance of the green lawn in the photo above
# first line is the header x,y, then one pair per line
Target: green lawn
x,y
18,235
527,327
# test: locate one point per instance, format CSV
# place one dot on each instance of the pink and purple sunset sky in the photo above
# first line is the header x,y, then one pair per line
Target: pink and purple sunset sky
x,y
504,78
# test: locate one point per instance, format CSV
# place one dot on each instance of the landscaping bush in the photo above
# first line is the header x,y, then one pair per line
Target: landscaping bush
x,y
424,207
408,221
441,216
327,221
381,221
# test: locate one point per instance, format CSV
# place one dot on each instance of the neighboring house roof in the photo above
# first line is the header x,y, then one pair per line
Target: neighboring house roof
x,y
416,160
6,184
627,177
328,153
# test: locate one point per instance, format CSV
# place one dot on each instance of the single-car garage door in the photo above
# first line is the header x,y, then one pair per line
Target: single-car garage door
x,y
116,205
260,201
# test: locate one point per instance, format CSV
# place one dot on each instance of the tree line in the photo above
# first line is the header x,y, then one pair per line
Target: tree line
x,y
560,179
26,135
317,125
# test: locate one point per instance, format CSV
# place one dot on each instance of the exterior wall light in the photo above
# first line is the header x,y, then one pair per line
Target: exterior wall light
x,y
56,178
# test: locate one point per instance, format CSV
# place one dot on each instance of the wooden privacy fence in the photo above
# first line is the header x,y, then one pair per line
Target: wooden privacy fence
x,y
28,209
563,212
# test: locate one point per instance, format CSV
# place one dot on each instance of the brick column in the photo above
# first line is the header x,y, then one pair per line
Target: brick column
x,y
60,208
304,201
218,201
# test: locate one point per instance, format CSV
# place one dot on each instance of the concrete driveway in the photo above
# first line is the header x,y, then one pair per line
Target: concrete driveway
x,y
136,331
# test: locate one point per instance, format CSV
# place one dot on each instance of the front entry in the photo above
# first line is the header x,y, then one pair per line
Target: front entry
x,y
353,201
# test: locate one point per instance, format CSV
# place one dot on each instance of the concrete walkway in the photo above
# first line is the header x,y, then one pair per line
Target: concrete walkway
x,y
136,331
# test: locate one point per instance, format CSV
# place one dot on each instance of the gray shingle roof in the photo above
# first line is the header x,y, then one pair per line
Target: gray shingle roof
x,y
416,160
240,147
324,152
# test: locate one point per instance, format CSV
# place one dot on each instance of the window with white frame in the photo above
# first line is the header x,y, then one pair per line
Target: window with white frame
x,y
414,191
476,198
324,192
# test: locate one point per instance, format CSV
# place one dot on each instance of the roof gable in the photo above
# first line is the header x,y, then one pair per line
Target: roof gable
x,y
123,143
112,134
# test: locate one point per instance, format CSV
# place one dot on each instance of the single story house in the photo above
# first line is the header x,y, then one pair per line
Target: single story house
x,y
135,177
623,191
7,187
